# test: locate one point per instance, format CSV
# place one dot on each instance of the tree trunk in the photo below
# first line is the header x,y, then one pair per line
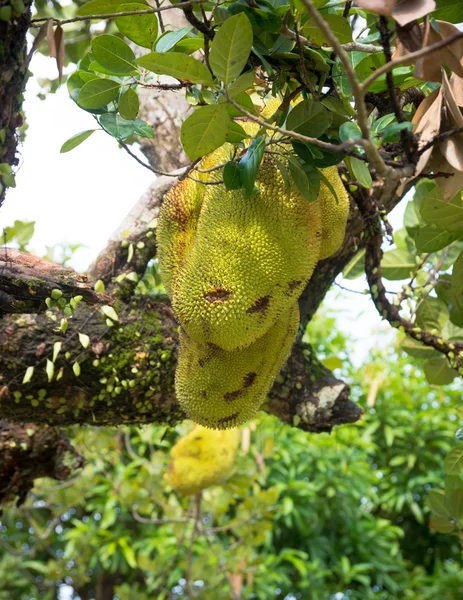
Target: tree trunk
x,y
13,76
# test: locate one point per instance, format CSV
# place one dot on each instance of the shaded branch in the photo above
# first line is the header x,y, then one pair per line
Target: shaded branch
x,y
28,451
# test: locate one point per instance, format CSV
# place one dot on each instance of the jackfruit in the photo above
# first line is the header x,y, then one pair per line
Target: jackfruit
x,y
203,458
222,389
232,265
234,268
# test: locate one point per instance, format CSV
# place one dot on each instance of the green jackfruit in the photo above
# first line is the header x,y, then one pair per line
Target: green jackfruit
x,y
222,389
203,458
232,265
234,268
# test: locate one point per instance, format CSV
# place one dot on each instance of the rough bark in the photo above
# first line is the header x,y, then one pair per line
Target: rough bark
x,y
28,451
13,76
26,281
127,373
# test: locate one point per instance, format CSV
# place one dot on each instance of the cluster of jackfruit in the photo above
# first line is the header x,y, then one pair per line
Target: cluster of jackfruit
x,y
234,268
201,459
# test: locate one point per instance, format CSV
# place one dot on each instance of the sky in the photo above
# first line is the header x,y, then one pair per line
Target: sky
x,y
83,195
77,197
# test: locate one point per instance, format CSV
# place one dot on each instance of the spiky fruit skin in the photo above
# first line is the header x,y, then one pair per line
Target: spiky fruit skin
x,y
234,268
203,458
222,389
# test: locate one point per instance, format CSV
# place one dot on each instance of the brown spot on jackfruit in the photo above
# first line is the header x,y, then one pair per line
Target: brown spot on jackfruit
x,y
260,305
249,379
218,295
230,396
292,285
228,420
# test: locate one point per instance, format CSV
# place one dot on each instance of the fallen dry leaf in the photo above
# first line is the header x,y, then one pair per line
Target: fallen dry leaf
x,y
427,120
451,147
449,186
51,39
428,68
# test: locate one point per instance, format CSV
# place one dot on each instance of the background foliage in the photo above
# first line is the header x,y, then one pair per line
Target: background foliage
x,y
345,515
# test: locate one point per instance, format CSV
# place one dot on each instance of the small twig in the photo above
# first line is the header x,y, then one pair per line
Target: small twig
x,y
405,134
127,13
304,73
453,351
439,138
358,91
193,20
412,56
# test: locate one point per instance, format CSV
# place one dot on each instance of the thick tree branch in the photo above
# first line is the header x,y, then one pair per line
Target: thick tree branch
x,y
127,373
13,77
26,281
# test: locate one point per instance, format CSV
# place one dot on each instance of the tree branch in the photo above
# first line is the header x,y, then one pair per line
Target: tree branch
x,y
26,281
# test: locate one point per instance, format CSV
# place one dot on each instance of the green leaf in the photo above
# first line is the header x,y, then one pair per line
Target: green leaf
x,y
457,283
116,126
84,339
389,134
453,463
359,170
418,349
236,133
448,10
438,371
143,129
76,140
242,84
50,369
231,48
178,65
99,7
205,130
231,176
431,239
109,312
28,375
338,25
356,266
444,215
438,504
113,54
140,29
349,131
309,118
250,163
56,350
432,314
97,93
76,369
129,105
170,38
398,264
442,524
456,503
243,99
